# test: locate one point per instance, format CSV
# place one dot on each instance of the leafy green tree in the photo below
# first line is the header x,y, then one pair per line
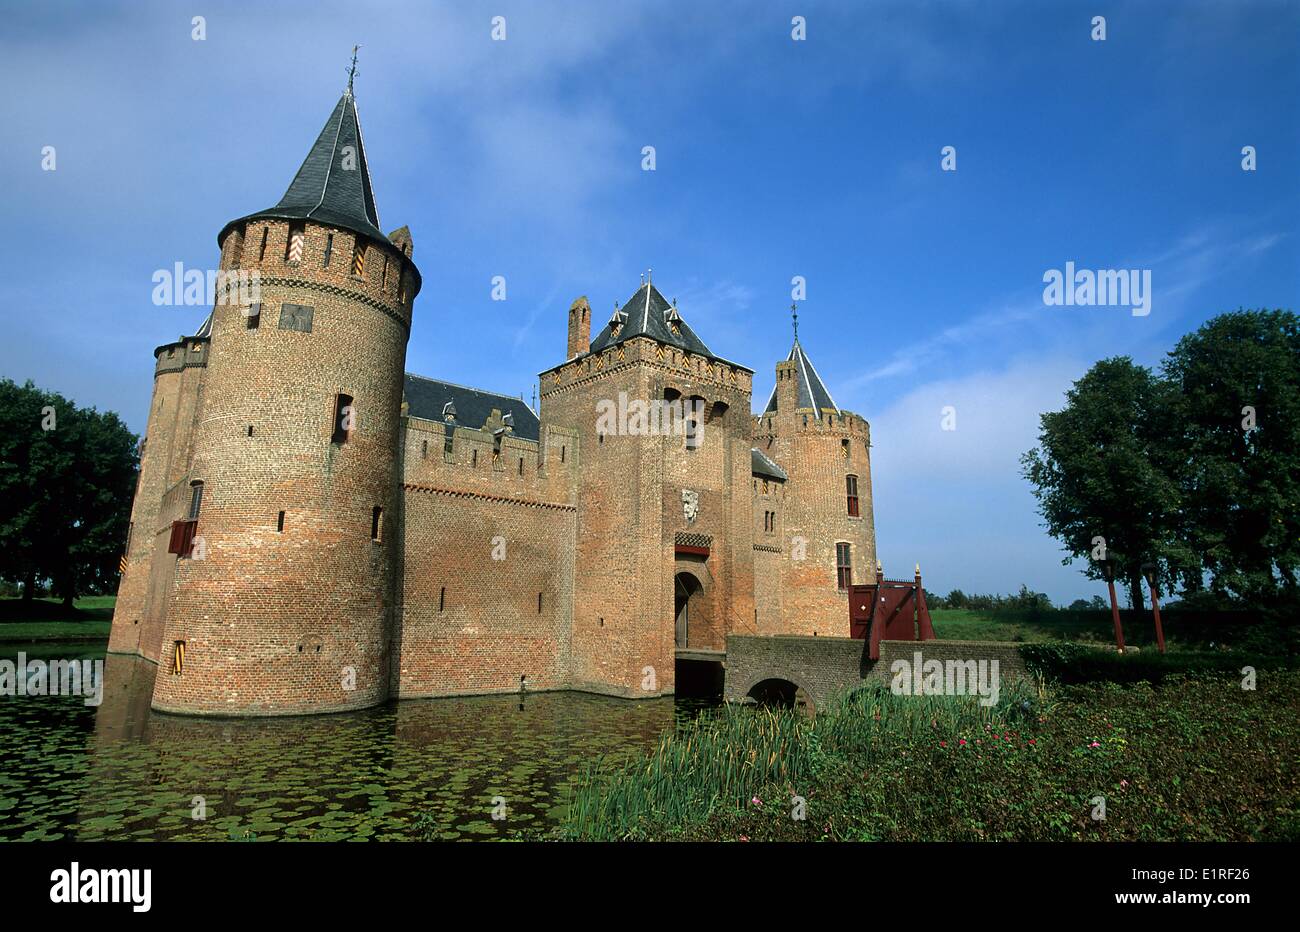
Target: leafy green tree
x,y
1101,470
1236,392
67,476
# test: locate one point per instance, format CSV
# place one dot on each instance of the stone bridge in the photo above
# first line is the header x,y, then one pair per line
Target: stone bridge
x,y
772,668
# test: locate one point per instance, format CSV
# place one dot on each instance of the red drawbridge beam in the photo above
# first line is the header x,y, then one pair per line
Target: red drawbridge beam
x,y
889,610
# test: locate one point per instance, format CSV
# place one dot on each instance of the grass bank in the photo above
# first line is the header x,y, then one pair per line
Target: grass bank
x,y
48,620
1194,757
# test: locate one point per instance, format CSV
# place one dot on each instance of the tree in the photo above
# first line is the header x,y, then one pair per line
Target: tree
x,y
1236,392
67,476
1101,470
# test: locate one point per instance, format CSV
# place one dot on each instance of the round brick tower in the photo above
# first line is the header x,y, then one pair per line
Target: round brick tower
x,y
285,603
829,519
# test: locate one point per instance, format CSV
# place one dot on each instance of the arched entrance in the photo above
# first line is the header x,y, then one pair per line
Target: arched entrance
x,y
688,596
780,693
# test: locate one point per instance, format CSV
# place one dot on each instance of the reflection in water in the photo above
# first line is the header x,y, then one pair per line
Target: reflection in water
x,y
418,768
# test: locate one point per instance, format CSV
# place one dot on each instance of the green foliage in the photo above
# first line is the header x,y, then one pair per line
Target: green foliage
x,y
1168,468
1077,663
65,491
878,767
1241,488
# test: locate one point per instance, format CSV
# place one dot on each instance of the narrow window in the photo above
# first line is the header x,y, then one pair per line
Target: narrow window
x,y
376,522
843,566
279,523
446,441
294,245
343,418
383,279
561,454
196,499
442,598
521,465
359,258
844,448
539,603
254,316
401,289
473,457
329,250
424,450
178,658
250,430
261,251
851,489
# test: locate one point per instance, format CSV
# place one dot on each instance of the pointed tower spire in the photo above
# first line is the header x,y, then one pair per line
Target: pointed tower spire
x,y
332,186
812,390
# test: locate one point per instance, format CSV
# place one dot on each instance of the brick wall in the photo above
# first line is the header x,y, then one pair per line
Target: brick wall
x,y
821,666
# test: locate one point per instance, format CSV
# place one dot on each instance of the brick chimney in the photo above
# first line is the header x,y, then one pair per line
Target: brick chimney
x,y
579,327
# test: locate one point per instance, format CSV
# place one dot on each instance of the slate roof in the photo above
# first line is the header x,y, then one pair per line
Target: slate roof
x,y
763,466
332,185
648,314
425,399
812,390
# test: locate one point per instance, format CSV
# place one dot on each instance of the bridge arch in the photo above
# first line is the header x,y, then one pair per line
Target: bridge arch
x,y
779,688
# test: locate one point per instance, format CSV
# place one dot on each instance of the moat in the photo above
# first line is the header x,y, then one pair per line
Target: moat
x,y
404,771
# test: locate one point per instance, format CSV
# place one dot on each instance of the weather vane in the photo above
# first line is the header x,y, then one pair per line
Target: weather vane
x,y
794,315
352,72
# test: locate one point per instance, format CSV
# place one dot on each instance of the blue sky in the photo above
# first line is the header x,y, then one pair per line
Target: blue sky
x,y
775,158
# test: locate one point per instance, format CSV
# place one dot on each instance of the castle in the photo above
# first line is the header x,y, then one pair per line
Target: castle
x,y
315,529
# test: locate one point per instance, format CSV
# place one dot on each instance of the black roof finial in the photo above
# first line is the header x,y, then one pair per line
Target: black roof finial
x,y
794,316
352,72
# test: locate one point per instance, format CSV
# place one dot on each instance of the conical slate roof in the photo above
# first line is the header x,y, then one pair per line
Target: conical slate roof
x,y
647,314
333,184
812,390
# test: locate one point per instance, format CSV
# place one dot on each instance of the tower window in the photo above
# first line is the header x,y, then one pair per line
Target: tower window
x,y
844,448
851,490
473,457
843,566
424,450
521,465
359,258
196,499
447,441
178,658
442,598
296,317
250,430
561,454
539,603
401,288
376,523
254,316
279,523
329,250
261,250
343,418
383,279
294,245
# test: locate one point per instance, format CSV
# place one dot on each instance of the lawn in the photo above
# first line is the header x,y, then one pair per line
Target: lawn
x,y
1191,758
48,620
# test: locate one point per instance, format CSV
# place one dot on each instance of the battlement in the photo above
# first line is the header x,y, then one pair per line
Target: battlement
x,y
644,351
